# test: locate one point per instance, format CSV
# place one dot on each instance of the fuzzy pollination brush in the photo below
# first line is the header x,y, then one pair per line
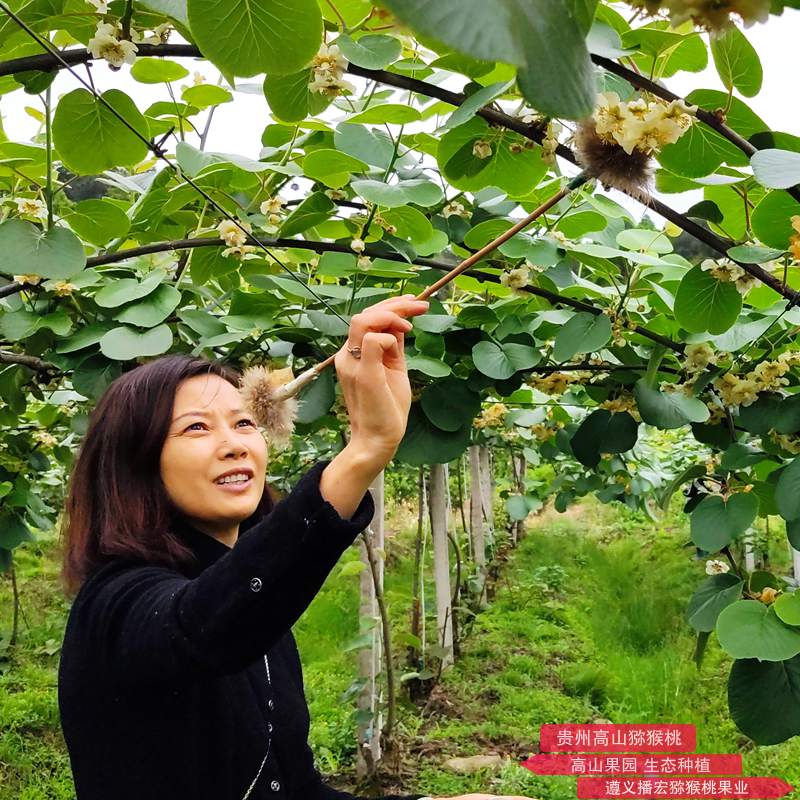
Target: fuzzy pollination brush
x,y
613,146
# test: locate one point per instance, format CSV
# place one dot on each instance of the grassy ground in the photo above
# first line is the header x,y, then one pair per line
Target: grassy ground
x,y
586,623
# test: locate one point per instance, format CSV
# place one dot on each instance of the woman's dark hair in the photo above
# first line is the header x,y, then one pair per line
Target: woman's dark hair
x,y
116,503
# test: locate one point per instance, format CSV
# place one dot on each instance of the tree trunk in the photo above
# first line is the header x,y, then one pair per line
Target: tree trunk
x,y
441,561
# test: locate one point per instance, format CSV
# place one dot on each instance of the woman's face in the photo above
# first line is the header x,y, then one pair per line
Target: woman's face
x,y
210,435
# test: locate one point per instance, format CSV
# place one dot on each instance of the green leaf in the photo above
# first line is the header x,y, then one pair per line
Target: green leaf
x,y
519,506
316,400
428,366
289,98
98,221
157,70
501,361
450,404
716,523
248,37
395,113
544,38
434,323
172,8
206,95
124,344
153,309
584,333
753,254
776,169
411,224
193,161
793,533
17,325
750,629
475,102
702,303
13,531
699,152
479,29
668,410
714,594
373,51
425,443
737,62
764,699
421,192
787,491
89,137
373,147
124,290
516,173
691,472
331,167
316,208
787,608
353,568
645,240
26,248
558,78
603,432
772,219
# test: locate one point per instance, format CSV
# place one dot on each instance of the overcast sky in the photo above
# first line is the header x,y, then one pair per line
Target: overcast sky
x,y
237,127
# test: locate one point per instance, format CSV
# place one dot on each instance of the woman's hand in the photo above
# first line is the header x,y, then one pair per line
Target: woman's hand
x,y
375,387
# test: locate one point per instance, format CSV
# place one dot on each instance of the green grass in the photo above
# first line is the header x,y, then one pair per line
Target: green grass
x,y
587,623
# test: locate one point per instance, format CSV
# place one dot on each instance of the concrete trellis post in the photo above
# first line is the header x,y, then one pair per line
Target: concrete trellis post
x,y
441,560
370,658
487,490
476,506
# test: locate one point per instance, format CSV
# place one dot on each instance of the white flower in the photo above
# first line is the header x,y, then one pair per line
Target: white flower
x,y
231,234
101,6
198,78
238,251
31,207
454,208
63,288
105,45
516,278
716,567
30,278
328,67
272,205
44,438
357,245
481,149
364,262
698,357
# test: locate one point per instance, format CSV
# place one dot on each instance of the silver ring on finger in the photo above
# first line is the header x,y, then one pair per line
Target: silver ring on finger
x,y
354,351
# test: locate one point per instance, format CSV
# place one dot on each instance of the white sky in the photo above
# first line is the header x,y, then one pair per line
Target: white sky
x,y
238,126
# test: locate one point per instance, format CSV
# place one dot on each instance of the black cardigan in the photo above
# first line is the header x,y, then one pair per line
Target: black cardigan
x,y
163,687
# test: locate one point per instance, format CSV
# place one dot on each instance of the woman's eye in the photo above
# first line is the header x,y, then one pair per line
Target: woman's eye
x,y
248,421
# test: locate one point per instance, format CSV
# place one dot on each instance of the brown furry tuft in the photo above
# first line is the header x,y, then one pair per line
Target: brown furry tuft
x,y
611,165
257,388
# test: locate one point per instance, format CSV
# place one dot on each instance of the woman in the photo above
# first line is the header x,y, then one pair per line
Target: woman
x,y
179,675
